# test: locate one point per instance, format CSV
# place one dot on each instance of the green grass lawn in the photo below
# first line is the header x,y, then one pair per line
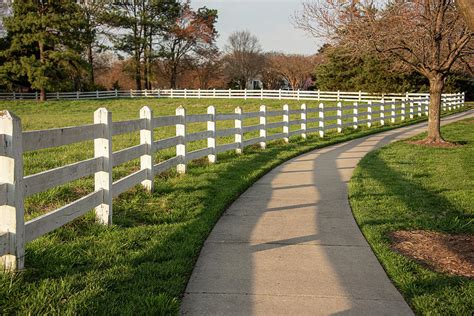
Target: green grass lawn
x,y
410,187
140,264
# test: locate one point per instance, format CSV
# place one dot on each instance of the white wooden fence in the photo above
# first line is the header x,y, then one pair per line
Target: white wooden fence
x,y
318,95
15,187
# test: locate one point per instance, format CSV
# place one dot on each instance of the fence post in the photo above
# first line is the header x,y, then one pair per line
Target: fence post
x,y
279,94
360,96
369,114
339,117
393,112
77,95
57,95
116,93
245,94
181,147
36,95
321,120
146,138
382,112
298,94
286,123
412,110
338,95
303,120
171,92
263,126
199,93
185,93
211,139
230,93
319,95
103,178
214,93
463,99
426,107
14,95
238,134
261,94
12,213
131,93
355,118
403,110
419,109
97,94
146,93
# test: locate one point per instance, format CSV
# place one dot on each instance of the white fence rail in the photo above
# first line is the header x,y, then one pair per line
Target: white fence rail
x,y
15,187
318,95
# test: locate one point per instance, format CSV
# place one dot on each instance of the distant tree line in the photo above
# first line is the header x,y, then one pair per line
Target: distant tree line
x,y
52,45
150,44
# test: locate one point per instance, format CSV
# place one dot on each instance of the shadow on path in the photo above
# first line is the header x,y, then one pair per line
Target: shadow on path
x,y
290,245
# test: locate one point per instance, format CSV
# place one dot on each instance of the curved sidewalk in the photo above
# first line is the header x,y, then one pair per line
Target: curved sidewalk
x,y
290,245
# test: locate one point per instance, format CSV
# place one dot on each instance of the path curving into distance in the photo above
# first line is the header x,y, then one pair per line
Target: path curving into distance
x,y
289,245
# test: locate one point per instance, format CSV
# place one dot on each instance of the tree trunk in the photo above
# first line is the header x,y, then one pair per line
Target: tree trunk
x,y
173,77
42,60
90,57
138,74
43,94
434,131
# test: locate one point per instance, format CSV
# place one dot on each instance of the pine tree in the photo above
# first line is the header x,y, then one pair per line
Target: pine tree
x,y
46,42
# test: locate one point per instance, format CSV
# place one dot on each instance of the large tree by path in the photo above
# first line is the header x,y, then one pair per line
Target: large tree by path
x,y
428,36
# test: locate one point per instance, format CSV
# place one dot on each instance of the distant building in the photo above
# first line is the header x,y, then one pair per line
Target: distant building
x,y
254,84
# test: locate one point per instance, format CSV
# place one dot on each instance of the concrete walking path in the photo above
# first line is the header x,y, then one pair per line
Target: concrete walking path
x,y
290,245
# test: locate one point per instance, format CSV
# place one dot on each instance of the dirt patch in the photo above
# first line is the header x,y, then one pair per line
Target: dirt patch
x,y
435,145
452,254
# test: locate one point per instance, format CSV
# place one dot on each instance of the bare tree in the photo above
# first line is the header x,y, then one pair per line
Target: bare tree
x,y
208,67
296,69
428,36
244,59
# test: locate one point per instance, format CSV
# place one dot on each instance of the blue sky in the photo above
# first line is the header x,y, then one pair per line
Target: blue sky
x,y
269,20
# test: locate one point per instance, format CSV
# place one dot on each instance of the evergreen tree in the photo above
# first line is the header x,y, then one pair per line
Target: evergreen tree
x,y
46,41
342,71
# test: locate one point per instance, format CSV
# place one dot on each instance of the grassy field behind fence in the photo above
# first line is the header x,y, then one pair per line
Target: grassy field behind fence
x,y
142,262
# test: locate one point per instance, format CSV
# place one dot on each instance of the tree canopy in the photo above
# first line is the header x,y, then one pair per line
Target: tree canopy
x,y
429,37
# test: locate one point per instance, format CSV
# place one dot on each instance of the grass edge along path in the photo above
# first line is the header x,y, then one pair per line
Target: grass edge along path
x,y
142,263
410,187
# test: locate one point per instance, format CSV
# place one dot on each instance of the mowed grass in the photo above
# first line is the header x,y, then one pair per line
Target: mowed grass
x,y
141,264
410,187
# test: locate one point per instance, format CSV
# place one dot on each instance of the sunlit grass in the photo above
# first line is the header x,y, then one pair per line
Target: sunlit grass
x,y
140,264
411,187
